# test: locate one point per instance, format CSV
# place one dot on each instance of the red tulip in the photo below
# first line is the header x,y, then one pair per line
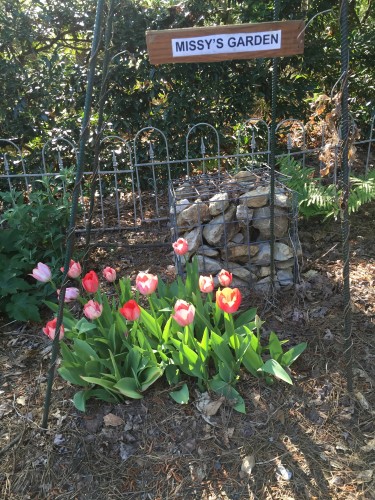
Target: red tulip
x,y
206,284
225,277
50,329
183,313
109,274
228,299
74,269
131,310
146,283
92,309
180,246
71,293
42,273
91,282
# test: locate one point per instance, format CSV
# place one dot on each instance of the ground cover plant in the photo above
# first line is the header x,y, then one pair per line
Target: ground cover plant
x,y
33,227
119,348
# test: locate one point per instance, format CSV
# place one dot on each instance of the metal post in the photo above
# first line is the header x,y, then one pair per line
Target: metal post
x,y
345,227
71,231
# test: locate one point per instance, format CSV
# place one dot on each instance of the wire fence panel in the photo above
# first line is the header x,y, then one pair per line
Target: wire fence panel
x,y
131,184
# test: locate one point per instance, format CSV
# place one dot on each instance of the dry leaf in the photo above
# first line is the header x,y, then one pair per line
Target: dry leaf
x,y
364,476
363,402
247,466
212,408
112,420
21,400
370,446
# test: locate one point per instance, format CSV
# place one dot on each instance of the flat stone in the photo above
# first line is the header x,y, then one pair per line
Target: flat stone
x,y
180,206
282,200
264,271
221,229
262,222
282,252
238,238
218,203
196,213
263,256
285,277
239,253
245,176
284,264
208,265
240,272
256,197
264,285
207,251
244,214
194,240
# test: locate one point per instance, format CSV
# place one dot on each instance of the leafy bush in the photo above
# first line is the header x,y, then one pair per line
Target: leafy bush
x,y
33,228
115,352
318,199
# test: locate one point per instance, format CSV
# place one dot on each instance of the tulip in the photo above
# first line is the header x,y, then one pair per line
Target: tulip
x,y
92,309
50,329
131,310
180,246
183,313
42,273
206,284
225,278
74,269
109,274
91,282
146,283
228,299
71,293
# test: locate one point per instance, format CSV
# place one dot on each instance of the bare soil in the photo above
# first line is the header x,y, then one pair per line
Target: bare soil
x,y
156,449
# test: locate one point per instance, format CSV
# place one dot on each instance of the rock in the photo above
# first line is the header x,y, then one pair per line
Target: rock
x,y
179,206
255,198
194,240
264,285
184,191
241,272
244,215
282,200
208,251
239,253
245,176
282,251
285,277
262,222
218,203
208,265
264,271
221,228
238,238
263,256
284,264
195,214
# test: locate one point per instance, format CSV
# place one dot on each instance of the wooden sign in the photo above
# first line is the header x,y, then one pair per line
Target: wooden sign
x,y
222,43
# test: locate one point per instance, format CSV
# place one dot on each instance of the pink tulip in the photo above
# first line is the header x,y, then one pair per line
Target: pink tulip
x,y
225,278
206,284
42,273
92,309
183,313
180,246
109,274
50,329
71,294
74,269
146,283
130,310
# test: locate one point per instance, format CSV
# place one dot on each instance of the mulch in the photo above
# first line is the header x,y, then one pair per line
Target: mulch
x,y
312,440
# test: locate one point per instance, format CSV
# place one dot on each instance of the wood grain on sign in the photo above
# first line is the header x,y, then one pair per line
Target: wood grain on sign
x,y
222,43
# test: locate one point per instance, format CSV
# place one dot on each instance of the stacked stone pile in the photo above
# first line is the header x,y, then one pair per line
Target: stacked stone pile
x,y
226,221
